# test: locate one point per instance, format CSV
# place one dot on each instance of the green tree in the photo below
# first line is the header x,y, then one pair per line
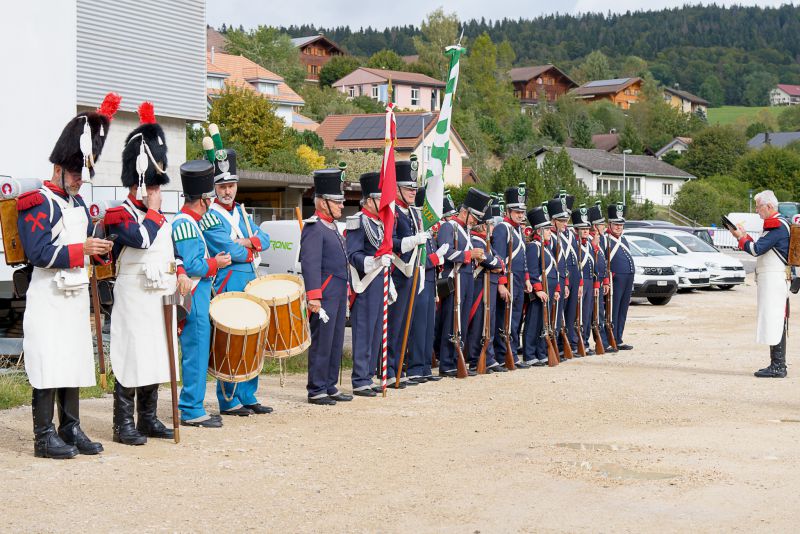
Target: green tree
x,y
368,104
552,127
271,49
337,68
715,150
558,173
634,67
582,136
629,139
757,86
707,200
756,128
359,162
437,32
386,59
595,67
516,170
789,119
711,90
607,116
324,101
771,168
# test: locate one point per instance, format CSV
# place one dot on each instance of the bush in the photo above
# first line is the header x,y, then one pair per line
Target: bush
x,y
707,200
771,168
715,150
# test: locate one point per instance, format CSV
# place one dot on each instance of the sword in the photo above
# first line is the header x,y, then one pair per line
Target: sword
x,y
184,306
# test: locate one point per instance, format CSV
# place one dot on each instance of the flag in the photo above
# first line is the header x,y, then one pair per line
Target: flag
x,y
388,183
434,193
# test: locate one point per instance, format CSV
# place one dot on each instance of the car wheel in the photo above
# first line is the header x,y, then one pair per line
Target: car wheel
x,y
725,287
659,301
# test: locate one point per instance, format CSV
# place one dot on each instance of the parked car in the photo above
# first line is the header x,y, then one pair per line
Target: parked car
x,y
724,271
692,273
640,224
653,279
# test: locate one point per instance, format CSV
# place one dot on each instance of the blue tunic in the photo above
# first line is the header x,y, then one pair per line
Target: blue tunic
x,y
518,268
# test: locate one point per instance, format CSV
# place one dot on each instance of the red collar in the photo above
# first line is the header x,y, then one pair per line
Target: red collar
x,y
478,234
460,222
371,216
401,203
228,207
537,237
772,222
55,189
612,235
191,213
323,217
137,203
511,222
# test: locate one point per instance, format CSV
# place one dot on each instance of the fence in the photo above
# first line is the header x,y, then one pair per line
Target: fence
x,y
724,239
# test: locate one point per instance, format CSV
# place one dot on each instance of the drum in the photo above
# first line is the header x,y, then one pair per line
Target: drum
x,y
238,336
285,296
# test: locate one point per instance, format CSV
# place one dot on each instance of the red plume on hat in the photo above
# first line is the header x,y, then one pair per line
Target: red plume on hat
x,y
110,105
147,114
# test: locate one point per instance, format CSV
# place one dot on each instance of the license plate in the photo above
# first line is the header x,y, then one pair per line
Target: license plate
x,y
662,282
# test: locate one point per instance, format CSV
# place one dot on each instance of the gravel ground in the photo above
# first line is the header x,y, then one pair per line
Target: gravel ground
x,y
676,435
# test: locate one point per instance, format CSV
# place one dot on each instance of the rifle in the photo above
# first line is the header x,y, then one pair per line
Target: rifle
x,y
487,309
506,332
598,339
404,344
168,303
579,315
563,329
461,363
547,328
97,312
612,342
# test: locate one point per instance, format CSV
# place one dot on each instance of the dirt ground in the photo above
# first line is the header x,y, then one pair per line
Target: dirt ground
x,y
674,436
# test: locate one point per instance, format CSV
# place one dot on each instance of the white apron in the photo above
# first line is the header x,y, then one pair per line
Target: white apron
x,y
773,290
139,354
57,328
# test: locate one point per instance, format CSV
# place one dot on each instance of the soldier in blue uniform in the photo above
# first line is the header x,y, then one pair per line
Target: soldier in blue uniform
x,y
586,267
534,344
567,245
228,228
508,234
458,258
559,213
490,265
448,212
408,238
621,267
53,227
420,343
364,237
772,253
324,264
197,177
597,233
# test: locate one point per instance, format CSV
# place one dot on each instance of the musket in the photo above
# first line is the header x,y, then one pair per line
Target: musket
x,y
487,308
414,281
97,312
506,332
579,315
547,328
598,339
560,309
612,341
461,363
168,303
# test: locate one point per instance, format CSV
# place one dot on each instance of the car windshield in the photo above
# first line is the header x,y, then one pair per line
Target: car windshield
x,y
636,252
651,248
694,243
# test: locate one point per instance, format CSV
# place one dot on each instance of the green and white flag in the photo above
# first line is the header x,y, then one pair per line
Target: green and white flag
x,y
434,177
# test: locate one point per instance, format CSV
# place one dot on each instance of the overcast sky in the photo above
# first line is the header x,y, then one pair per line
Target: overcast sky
x,y
327,13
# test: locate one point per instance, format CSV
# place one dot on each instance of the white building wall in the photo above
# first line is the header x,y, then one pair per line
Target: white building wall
x,y
452,171
777,97
285,112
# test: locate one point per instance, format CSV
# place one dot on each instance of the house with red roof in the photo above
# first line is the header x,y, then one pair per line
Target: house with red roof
x,y
784,95
410,90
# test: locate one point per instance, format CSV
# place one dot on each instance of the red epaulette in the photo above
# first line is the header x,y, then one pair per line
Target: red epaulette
x,y
30,199
117,215
772,223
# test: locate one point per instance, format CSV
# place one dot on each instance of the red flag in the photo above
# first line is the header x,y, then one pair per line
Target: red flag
x,y
388,184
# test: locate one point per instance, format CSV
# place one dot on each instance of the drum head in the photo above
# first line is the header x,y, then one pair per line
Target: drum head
x,y
238,312
272,287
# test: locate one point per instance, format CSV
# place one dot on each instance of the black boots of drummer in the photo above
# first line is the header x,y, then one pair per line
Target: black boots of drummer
x,y
777,356
147,422
125,431
47,443
69,424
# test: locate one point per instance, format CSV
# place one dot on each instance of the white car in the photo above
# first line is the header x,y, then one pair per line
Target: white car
x,y
724,271
692,273
653,279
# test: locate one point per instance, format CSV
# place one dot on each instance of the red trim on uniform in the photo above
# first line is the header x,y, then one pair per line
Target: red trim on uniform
x,y
434,259
224,282
511,222
461,223
502,280
467,256
191,213
75,255
323,217
212,267
138,203
28,200
118,215
597,285
316,294
153,215
54,188
743,240
605,281
475,307
249,255
558,288
228,207
181,270
538,287
527,277
772,222
371,216
566,281
401,203
256,243
478,234
580,282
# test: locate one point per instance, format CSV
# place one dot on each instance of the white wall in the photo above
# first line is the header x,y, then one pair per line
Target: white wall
x,y
39,92
285,112
452,171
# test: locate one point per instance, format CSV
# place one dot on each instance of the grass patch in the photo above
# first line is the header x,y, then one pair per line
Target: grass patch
x,y
740,114
299,364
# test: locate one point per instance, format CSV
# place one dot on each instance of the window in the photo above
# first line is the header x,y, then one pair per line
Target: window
x,y
539,81
214,82
314,69
375,92
634,186
267,88
434,100
607,185
666,189
415,96
360,90
351,91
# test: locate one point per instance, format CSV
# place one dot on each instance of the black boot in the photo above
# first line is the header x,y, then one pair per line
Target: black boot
x,y
146,406
46,443
69,424
777,356
124,430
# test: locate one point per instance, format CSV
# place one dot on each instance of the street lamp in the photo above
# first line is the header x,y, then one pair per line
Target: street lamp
x,y
750,201
625,177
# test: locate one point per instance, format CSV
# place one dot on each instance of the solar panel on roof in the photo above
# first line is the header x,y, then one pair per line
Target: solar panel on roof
x,y
603,83
370,128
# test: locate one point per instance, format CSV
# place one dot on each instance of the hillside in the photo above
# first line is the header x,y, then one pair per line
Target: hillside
x,y
739,114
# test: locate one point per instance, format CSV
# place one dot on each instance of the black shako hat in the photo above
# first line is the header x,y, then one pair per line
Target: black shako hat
x,y
144,156
616,213
406,173
516,197
580,217
370,184
328,184
448,206
476,202
225,169
557,208
197,178
538,218
596,214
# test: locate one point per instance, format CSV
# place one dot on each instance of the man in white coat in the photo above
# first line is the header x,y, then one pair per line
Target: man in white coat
x,y
147,270
53,224
772,278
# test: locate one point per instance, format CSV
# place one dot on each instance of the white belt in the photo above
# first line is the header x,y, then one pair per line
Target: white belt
x,y
135,269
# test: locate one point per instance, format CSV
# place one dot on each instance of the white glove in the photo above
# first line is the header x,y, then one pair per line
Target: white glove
x,y
441,251
422,237
408,243
392,292
370,264
323,315
386,260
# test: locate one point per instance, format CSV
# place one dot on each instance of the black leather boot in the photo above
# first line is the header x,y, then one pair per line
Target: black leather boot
x,y
124,430
46,443
147,405
69,424
777,356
